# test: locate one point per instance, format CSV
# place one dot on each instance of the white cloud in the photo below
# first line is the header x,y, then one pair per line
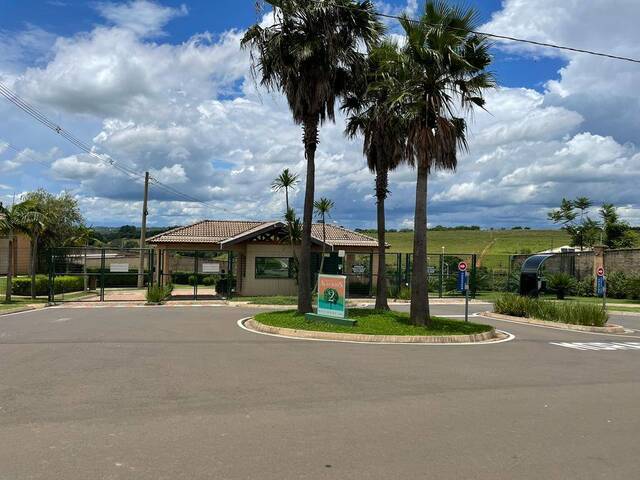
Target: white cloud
x,y
142,17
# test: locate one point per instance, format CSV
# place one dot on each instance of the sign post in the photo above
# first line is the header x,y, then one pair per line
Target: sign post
x,y
601,286
463,286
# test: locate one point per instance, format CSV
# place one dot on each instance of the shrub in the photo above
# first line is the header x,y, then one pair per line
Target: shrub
x,y
633,288
561,284
584,288
617,283
61,284
210,280
575,313
404,293
158,293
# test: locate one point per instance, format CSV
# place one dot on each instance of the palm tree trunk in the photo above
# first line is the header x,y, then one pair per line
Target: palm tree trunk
x,y
324,242
310,137
34,264
419,312
381,193
9,287
290,226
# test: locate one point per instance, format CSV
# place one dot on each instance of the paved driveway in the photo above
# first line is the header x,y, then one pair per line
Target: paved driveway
x,y
183,393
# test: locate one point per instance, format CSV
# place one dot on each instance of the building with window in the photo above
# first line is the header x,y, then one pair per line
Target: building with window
x,y
258,257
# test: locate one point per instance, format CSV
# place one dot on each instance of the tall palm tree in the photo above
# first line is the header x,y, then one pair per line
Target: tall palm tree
x,y
309,52
33,221
285,181
384,145
322,208
439,75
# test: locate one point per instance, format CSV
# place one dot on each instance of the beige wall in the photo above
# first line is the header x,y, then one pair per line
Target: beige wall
x,y
4,253
22,255
270,286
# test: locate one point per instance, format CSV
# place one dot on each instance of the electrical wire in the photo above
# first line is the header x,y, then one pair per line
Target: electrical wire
x,y
32,111
508,38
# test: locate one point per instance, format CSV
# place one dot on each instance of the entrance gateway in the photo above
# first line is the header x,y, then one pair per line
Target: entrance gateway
x,y
255,258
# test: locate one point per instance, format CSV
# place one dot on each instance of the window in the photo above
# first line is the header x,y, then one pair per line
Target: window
x,y
273,267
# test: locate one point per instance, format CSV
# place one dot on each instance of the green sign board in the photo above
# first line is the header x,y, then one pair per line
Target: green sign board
x,y
332,299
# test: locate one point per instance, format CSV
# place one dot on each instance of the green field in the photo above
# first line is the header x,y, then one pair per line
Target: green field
x,y
481,242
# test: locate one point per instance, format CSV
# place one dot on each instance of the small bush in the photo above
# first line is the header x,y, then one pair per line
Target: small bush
x,y
158,293
62,284
561,284
617,285
210,280
574,313
584,288
633,288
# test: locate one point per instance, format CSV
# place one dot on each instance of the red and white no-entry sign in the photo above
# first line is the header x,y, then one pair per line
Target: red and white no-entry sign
x,y
600,271
462,267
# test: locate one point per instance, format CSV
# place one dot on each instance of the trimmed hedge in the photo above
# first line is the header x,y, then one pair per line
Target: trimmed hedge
x,y
62,284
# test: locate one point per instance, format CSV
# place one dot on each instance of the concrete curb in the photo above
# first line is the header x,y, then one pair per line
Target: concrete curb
x,y
352,337
558,325
21,309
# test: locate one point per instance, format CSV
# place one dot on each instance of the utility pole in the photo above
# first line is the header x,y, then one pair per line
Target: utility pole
x,y
143,231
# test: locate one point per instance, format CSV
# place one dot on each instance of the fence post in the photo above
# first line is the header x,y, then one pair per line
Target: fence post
x,y
474,275
398,274
441,274
509,274
229,274
407,273
371,273
195,275
51,295
102,267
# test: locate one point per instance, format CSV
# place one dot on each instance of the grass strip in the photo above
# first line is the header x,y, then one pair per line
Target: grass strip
x,y
373,322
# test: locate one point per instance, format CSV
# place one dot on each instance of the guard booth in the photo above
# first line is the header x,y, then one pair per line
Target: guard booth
x,y
531,280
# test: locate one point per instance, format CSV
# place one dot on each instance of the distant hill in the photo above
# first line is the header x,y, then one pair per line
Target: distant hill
x,y
485,243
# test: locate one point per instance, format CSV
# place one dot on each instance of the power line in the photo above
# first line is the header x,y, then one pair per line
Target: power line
x,y
509,38
22,152
32,111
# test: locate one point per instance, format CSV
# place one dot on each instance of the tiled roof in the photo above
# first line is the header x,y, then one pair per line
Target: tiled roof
x,y
228,231
341,237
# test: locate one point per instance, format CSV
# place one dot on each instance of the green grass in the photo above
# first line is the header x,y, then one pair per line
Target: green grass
x,y
574,313
373,322
482,242
267,300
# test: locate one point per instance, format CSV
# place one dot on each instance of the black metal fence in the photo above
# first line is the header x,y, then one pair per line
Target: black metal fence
x,y
98,274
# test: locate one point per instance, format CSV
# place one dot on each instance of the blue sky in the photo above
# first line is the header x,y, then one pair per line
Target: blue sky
x,y
163,86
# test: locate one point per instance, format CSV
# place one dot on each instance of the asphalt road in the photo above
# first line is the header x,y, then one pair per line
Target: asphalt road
x,y
184,393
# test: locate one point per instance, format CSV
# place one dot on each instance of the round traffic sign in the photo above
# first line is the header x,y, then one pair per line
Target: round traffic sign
x,y
600,271
462,266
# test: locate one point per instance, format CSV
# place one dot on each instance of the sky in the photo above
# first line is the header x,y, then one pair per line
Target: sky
x,y
163,86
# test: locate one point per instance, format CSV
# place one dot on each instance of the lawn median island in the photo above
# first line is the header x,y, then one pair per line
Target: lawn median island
x,y
373,322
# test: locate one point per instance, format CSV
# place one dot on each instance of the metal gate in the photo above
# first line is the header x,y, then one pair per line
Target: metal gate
x,y
99,274
199,274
